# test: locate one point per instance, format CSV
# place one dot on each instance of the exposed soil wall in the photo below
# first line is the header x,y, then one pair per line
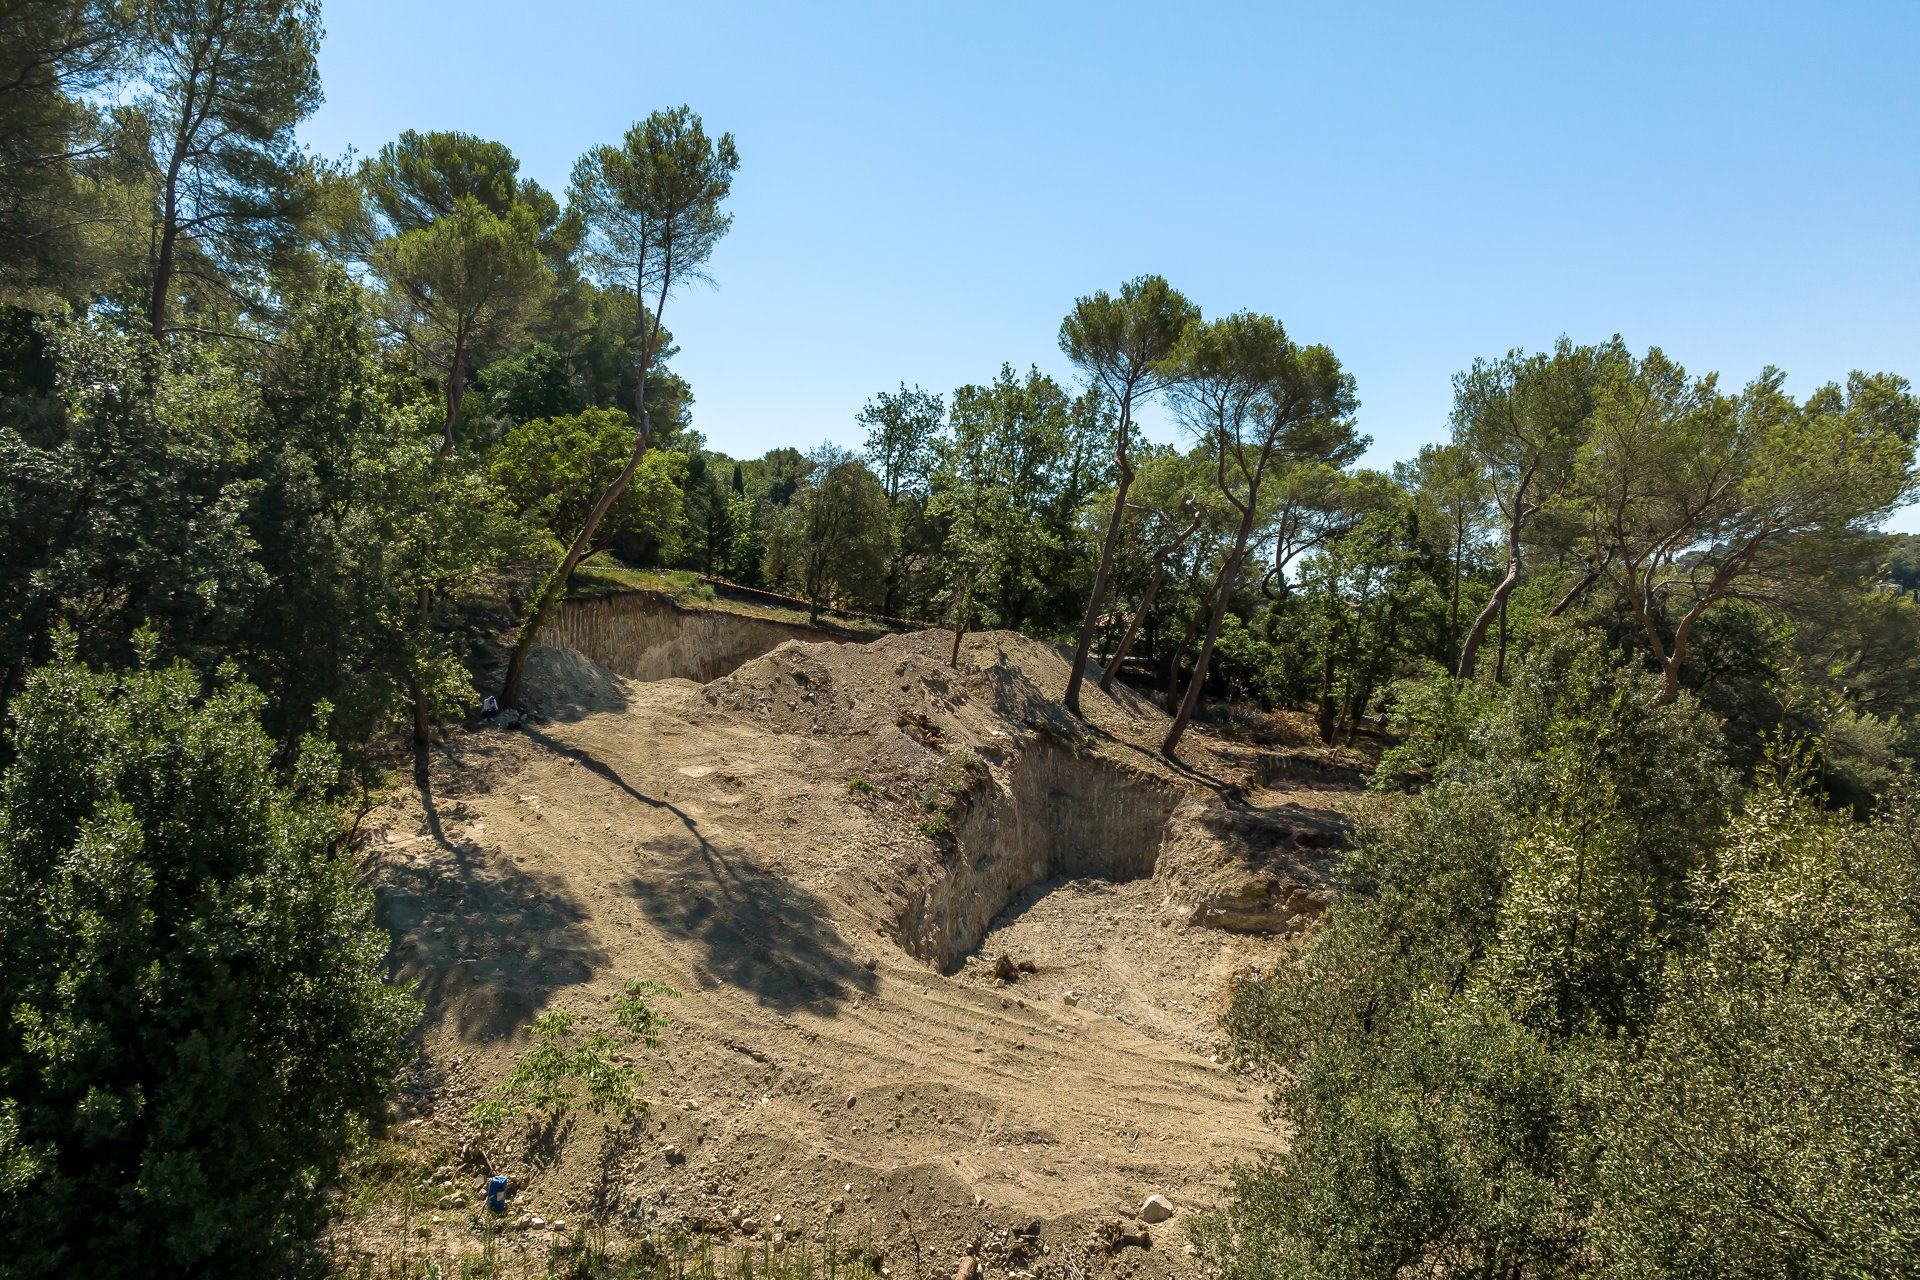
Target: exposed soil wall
x,y
1049,813
646,636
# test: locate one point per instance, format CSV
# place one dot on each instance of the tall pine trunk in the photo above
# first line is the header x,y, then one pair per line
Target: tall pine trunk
x,y
423,599
556,584
1470,647
1222,596
1133,627
1083,648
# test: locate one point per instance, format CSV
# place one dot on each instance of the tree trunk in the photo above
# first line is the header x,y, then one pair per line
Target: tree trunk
x,y
1575,591
891,601
163,276
1185,642
1222,596
422,730
1084,646
1470,647
960,622
1327,707
169,237
456,392
423,600
1500,655
1453,599
1133,627
556,585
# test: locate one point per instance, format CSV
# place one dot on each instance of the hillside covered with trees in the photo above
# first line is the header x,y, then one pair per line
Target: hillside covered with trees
x,y
299,457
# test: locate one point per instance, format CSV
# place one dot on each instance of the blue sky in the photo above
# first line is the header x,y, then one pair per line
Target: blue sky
x,y
924,189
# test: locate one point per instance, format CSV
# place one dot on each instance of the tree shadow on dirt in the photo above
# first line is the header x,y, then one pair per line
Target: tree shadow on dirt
x,y
484,943
758,931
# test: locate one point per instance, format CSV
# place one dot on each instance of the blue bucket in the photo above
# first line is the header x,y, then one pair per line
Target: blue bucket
x,y
497,1193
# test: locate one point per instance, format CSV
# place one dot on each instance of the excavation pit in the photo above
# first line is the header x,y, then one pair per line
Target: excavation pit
x,y
643,635
1050,814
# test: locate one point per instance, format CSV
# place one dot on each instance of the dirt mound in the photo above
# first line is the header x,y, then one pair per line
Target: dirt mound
x,y
823,849
904,682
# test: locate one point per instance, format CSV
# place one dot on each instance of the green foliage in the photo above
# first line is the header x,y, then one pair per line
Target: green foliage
x,y
57,179
198,1027
126,504
1768,1122
1434,718
232,197
1012,477
422,177
1903,562
1689,496
941,793
1436,1050
568,1065
1245,664
747,540
833,541
462,287
1369,597
357,515
552,470
535,382
651,205
902,427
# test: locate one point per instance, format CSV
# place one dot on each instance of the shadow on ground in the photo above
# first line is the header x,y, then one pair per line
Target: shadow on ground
x,y
483,943
758,932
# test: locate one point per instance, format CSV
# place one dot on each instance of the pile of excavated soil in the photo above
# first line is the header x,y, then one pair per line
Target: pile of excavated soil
x,y
825,851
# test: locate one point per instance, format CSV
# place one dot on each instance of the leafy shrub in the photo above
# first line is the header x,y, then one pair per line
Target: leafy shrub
x,y
942,792
1435,1051
196,1024
1434,716
549,1075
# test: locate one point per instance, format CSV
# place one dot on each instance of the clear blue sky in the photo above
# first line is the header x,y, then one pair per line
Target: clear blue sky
x,y
925,188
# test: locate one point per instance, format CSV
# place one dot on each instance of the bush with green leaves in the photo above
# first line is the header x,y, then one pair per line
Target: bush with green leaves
x,y
1433,1051
568,1059
1433,717
1578,1014
196,1023
1767,1123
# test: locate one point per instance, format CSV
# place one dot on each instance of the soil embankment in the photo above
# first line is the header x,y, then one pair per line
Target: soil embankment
x,y
645,635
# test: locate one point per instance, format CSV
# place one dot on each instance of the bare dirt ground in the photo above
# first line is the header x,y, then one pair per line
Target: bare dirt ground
x,y
802,847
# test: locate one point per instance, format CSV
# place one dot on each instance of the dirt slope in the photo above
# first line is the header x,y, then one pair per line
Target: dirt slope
x,y
761,843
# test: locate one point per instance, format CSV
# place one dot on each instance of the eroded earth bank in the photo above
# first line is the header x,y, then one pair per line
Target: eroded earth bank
x,y
828,850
